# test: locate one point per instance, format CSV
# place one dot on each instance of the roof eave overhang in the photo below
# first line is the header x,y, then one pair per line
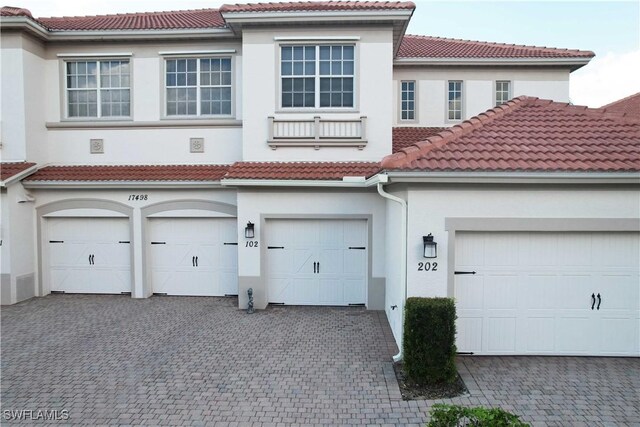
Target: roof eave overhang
x,y
28,25
584,178
344,183
68,185
17,177
572,63
398,19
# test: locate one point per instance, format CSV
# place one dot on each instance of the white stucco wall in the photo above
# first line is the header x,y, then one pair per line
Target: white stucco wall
x,y
148,136
145,146
372,92
478,89
5,236
12,100
429,208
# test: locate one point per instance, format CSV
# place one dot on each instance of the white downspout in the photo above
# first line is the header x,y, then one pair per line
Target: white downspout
x,y
403,253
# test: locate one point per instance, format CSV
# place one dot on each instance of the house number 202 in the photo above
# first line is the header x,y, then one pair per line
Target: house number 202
x,y
427,266
251,244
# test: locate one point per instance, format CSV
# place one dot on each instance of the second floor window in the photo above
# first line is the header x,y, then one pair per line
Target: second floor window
x,y
98,88
454,100
317,76
198,86
503,91
408,103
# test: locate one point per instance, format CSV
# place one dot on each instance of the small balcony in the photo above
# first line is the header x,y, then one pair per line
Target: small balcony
x,y
317,132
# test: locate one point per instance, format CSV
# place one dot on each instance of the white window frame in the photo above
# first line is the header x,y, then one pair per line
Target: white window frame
x,y
98,88
198,88
495,92
415,101
317,76
447,110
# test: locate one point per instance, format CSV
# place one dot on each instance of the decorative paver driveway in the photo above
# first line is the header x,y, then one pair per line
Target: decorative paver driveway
x,y
200,361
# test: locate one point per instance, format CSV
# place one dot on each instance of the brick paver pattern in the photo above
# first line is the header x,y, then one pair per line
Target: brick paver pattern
x,y
113,360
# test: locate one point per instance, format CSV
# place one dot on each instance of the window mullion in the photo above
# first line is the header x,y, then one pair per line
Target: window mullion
x,y
98,94
197,87
317,77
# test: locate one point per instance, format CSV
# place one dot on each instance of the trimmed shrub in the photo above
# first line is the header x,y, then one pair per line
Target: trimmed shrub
x,y
429,340
459,416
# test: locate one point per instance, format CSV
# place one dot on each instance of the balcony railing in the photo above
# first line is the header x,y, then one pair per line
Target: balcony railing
x,y
317,132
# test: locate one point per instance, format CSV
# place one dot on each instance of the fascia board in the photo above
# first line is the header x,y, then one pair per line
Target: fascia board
x,y
313,15
572,61
516,177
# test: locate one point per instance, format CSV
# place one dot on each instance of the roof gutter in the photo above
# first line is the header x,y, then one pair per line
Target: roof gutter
x,y
346,182
583,178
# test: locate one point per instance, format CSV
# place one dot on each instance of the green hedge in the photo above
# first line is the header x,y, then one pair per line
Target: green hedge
x,y
429,349
459,416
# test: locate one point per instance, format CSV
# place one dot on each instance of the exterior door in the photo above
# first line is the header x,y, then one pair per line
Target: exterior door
x,y
548,293
89,255
193,256
317,262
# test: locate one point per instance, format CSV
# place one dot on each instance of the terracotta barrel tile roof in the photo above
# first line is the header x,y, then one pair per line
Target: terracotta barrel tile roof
x,y
529,134
439,47
181,19
15,11
9,169
317,6
301,170
629,106
405,136
131,173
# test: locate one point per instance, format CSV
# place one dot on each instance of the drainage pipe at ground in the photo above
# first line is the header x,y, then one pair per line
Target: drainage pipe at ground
x,y
383,179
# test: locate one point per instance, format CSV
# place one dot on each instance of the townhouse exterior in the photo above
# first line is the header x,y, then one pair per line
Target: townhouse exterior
x,y
304,150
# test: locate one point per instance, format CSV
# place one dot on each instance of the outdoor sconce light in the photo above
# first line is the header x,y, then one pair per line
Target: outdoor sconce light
x,y
249,232
430,247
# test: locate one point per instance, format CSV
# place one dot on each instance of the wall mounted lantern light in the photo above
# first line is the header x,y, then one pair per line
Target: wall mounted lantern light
x,y
249,231
430,247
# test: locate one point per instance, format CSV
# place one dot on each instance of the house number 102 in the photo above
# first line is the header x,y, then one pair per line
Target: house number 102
x,y
251,244
427,266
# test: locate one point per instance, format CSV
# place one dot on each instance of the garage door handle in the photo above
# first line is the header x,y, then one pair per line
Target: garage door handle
x,y
314,266
275,247
196,261
593,301
56,241
464,272
91,261
193,261
318,266
599,301
357,247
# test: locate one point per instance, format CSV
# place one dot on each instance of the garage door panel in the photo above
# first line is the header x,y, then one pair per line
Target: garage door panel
x,y
469,292
89,257
317,261
618,336
331,291
469,334
575,251
354,291
553,283
539,336
501,250
192,258
502,337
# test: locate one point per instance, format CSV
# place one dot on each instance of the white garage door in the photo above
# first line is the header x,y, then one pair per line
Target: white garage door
x,y
193,256
316,262
89,255
548,293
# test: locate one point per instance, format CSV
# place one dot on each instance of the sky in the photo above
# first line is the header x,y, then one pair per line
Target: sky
x,y
611,29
